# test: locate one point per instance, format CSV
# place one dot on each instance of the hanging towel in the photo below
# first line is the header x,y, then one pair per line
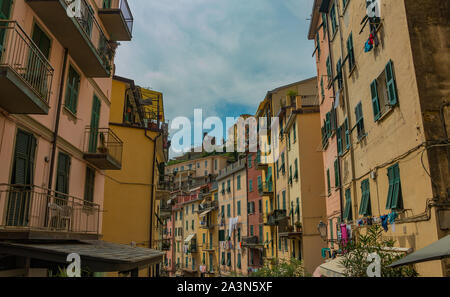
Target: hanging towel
x,y
344,233
368,47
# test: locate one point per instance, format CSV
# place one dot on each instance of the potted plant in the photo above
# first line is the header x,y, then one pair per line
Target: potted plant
x,y
298,226
292,94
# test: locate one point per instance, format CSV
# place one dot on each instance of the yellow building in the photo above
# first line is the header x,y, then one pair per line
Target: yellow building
x,y
207,233
391,103
130,195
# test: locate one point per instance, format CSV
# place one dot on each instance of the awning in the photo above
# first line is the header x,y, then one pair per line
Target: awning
x,y
332,268
98,255
189,238
204,213
435,251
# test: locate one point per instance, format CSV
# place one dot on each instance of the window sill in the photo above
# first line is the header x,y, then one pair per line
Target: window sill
x,y
70,113
385,114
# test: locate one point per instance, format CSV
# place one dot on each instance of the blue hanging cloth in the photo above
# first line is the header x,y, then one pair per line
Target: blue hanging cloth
x,y
368,47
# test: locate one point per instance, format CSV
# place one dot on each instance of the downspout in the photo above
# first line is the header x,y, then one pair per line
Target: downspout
x,y
56,130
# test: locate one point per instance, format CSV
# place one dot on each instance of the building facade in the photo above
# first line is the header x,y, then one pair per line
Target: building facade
x,y
390,118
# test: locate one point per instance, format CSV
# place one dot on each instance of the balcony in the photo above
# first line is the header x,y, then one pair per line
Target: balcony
x,y
266,189
103,148
81,34
31,212
192,248
25,73
165,211
117,18
165,245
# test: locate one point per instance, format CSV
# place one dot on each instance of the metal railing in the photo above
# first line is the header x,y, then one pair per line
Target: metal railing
x,y
36,208
103,141
87,21
124,8
21,54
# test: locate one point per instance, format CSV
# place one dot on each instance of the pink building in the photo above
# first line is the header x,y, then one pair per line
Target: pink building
x,y
55,145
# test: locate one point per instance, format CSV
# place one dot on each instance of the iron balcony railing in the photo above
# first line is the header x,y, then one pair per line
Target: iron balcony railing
x,y
103,141
87,21
41,209
124,8
250,240
22,55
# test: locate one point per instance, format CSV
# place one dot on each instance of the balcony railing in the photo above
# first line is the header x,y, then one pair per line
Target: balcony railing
x,y
117,18
165,211
80,33
265,189
103,148
20,56
38,209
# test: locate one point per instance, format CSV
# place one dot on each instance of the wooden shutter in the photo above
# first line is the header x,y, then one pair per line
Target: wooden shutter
x,y
391,178
336,173
73,85
350,52
89,185
395,204
347,134
390,83
375,100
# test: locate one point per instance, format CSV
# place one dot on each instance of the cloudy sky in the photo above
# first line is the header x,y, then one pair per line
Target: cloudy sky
x,y
218,55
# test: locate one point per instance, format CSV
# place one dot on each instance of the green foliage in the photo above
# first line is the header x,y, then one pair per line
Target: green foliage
x,y
355,258
282,268
292,93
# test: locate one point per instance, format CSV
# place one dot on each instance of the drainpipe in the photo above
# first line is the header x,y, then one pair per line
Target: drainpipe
x,y
56,130
154,140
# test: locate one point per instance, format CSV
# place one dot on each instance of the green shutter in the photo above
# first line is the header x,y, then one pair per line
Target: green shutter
x,y
89,185
348,206
5,9
324,24
336,173
350,51
239,261
375,100
390,83
73,85
62,176
365,207
328,181
106,3
95,119
239,208
339,140
347,134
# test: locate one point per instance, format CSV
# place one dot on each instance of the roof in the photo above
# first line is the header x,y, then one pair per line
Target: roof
x,y
99,256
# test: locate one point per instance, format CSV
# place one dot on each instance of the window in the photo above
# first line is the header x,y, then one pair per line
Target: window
x,y
206,163
95,120
365,207
384,92
193,208
318,45
333,19
348,206
40,38
229,210
89,185
329,71
260,207
62,177
339,140
229,259
360,121
322,90
215,164
72,89
249,161
328,182
250,185
223,258
324,24
251,230
296,169
284,199
239,208
239,261
336,174
204,238
394,200
192,225
347,134
295,132
339,74
187,225
350,52
238,182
